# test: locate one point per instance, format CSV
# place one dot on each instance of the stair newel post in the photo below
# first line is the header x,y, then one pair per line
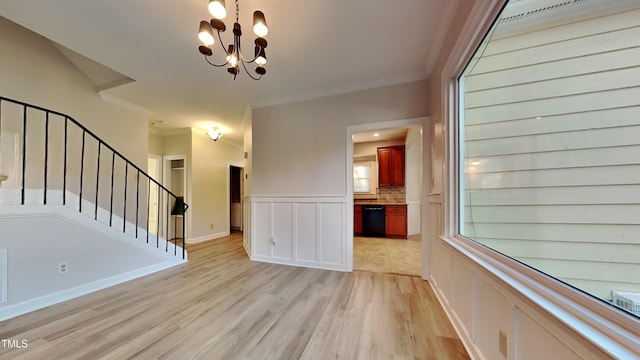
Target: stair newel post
x,y
148,205
158,217
64,165
137,199
97,179
24,152
113,164
126,182
46,155
84,133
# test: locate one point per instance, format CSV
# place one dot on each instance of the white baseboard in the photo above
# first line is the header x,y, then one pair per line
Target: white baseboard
x,y
55,298
207,237
301,263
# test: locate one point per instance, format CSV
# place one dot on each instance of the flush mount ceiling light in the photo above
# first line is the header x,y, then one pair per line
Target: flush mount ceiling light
x,y
214,133
233,52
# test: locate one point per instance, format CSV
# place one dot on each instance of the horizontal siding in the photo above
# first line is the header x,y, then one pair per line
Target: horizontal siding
x,y
557,214
576,47
570,195
597,119
566,233
566,32
558,141
603,252
624,174
622,155
570,67
552,151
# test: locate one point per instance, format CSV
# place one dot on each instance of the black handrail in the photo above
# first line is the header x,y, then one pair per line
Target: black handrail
x,y
100,145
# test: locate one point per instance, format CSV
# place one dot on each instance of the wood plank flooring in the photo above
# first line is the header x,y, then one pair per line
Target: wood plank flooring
x,y
220,305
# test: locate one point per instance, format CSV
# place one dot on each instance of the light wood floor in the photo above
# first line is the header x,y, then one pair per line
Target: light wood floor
x,y
222,306
393,256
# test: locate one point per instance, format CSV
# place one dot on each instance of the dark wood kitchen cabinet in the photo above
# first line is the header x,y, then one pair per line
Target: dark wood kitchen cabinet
x,y
391,166
357,220
396,221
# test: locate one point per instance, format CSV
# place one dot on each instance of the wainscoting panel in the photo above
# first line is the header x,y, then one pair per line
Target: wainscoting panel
x,y
300,231
332,228
261,229
282,230
306,232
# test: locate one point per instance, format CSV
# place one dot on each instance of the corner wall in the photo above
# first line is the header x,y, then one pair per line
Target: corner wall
x,y
300,171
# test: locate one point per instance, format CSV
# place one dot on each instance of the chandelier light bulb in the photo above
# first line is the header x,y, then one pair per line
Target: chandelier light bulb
x,y
217,9
206,33
259,24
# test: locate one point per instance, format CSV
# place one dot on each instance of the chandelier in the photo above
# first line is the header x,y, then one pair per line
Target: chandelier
x,y
233,52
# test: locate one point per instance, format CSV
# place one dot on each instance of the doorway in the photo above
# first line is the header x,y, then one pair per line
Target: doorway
x,y
401,256
175,179
236,173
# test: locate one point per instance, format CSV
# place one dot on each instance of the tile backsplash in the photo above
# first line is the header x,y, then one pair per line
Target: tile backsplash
x,y
387,194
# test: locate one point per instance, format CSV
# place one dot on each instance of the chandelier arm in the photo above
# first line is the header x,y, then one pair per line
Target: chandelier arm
x,y
216,65
254,59
249,73
222,45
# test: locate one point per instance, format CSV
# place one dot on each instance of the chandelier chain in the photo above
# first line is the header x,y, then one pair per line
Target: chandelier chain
x,y
237,10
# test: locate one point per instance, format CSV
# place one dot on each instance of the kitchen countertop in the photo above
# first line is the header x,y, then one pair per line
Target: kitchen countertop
x,y
378,203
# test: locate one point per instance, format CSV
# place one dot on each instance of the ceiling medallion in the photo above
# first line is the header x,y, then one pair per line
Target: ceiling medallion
x,y
233,52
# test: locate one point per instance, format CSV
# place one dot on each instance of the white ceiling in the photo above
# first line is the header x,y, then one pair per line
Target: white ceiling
x,y
316,48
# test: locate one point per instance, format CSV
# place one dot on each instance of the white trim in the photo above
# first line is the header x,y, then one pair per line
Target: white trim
x,y
123,103
207,237
597,322
51,299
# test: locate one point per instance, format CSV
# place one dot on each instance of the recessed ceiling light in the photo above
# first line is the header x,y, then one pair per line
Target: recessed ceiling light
x,y
376,135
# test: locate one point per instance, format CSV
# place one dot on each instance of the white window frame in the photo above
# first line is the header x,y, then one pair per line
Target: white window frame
x,y
599,323
373,179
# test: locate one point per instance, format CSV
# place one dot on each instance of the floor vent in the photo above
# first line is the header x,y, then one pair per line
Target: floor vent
x,y
629,301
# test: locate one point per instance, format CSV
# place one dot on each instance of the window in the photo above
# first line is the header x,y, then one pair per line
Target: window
x,y
363,177
549,144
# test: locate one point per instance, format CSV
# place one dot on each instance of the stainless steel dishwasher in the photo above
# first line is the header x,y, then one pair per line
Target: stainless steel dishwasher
x,y
373,221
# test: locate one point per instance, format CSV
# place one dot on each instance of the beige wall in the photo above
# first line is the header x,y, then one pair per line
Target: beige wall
x,y
209,185
34,71
299,148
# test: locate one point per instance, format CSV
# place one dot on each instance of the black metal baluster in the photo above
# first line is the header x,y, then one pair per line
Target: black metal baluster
x,y
126,181
64,166
137,200
24,151
158,216
163,194
97,179
46,155
81,170
113,162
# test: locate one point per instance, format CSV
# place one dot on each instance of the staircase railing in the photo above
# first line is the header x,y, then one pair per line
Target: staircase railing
x,y
53,159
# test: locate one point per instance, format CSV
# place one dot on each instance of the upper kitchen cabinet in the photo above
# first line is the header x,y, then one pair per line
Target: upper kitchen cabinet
x,y
391,166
